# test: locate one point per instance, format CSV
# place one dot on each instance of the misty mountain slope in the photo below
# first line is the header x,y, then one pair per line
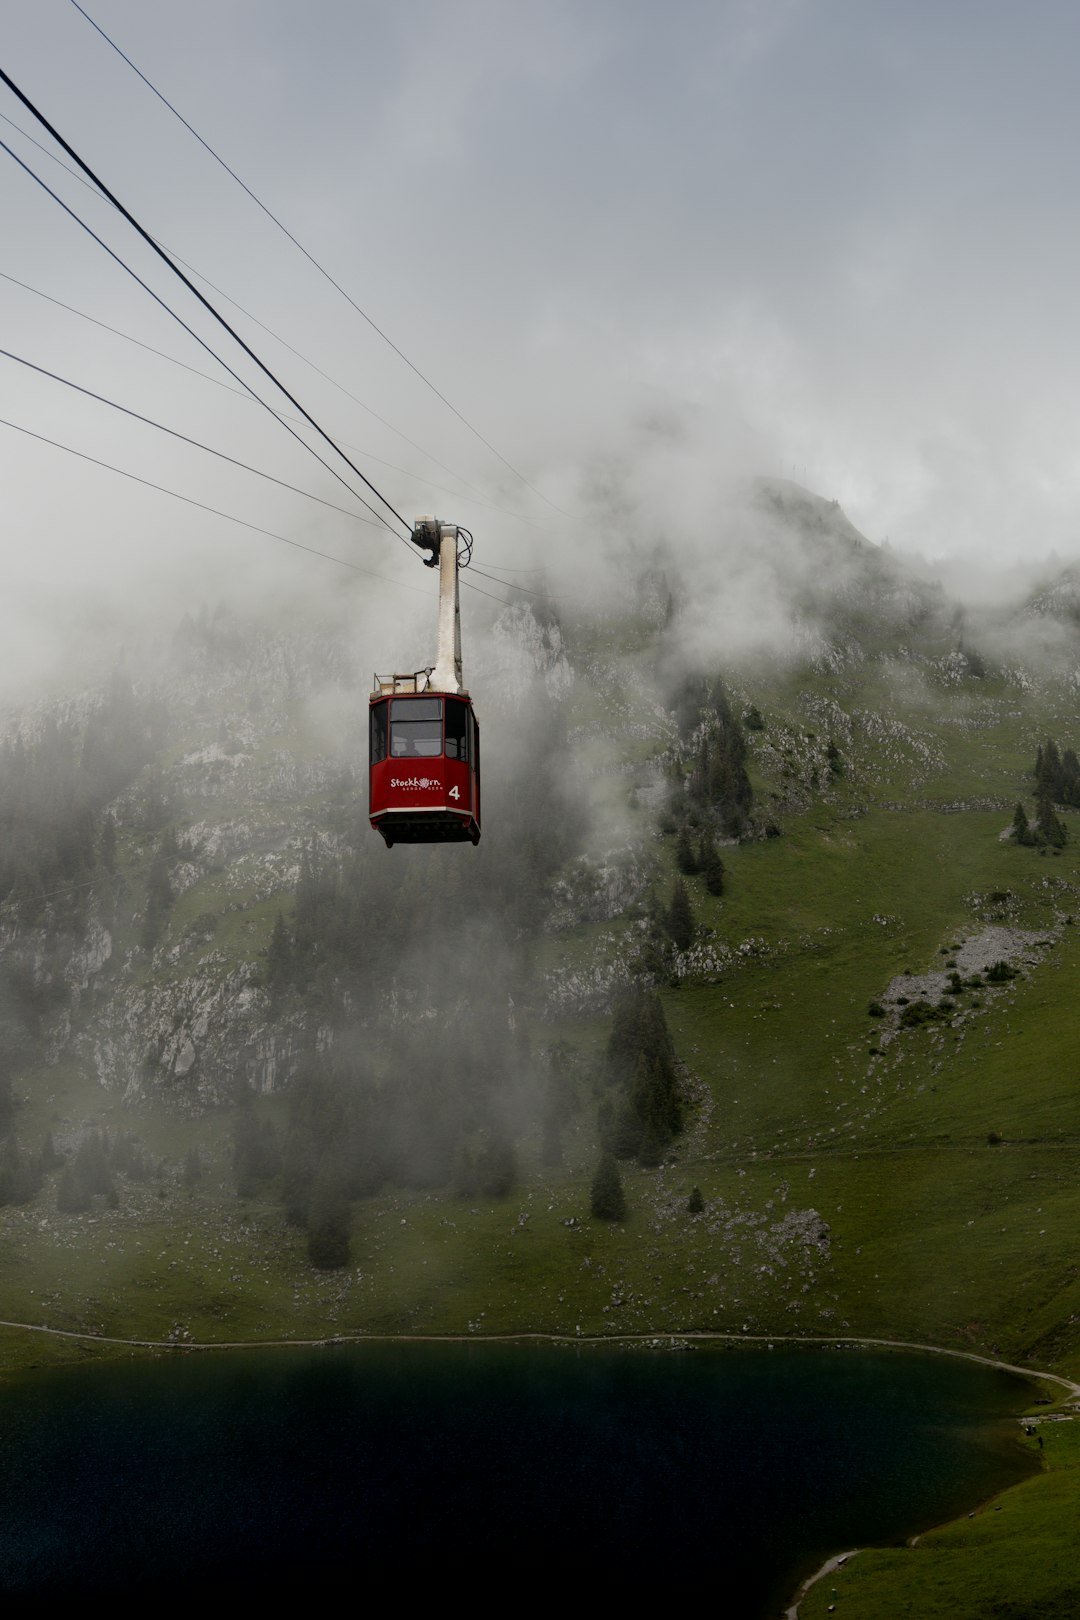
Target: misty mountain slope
x,y
247,962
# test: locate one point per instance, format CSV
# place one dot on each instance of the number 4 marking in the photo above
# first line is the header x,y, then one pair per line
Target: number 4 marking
x,y
454,793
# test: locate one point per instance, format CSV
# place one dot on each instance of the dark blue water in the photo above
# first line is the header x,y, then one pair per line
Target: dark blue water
x,y
443,1467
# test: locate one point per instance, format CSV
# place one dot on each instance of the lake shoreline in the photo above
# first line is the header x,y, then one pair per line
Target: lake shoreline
x,y
666,1341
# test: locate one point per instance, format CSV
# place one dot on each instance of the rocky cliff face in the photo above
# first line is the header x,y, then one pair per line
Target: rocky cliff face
x,y
258,764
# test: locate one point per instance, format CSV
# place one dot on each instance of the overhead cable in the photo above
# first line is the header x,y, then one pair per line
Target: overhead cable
x,y
277,337
475,431
205,302
230,517
192,333
189,500
175,433
249,399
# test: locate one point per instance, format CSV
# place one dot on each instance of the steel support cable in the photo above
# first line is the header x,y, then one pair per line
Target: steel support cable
x,y
6,78
477,494
230,517
248,399
509,585
192,333
174,433
322,271
202,506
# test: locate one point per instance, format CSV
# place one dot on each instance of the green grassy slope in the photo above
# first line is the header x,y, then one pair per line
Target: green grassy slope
x,y
920,1185
1012,1560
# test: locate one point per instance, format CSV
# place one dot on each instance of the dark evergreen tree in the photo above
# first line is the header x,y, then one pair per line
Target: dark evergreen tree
x,y
329,1222
607,1200
685,859
695,1203
641,1063
650,1152
496,1166
624,1131
87,1174
1049,828
1048,772
712,866
256,1151
718,778
72,1197
681,917
1021,827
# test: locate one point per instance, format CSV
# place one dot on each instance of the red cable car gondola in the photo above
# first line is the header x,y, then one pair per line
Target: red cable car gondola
x,y
424,761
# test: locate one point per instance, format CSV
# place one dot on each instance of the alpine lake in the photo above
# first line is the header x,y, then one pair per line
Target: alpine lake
x,y
481,1468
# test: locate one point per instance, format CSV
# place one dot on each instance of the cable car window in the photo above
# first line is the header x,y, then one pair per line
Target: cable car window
x,y
415,728
456,733
378,732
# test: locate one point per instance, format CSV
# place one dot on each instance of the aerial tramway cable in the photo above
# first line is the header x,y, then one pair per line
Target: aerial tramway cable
x,y
189,500
192,333
475,431
222,456
248,398
6,78
467,485
277,337
174,433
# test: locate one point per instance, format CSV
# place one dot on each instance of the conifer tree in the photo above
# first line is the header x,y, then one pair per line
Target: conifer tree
x,y
685,859
328,1222
607,1199
681,917
1021,827
496,1166
712,866
1049,828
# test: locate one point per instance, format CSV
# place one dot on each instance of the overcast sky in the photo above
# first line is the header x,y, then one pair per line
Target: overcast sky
x,y
640,246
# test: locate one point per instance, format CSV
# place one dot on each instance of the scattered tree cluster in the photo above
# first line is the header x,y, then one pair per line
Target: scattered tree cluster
x,y
718,788
700,855
1057,774
437,1104
711,795
643,1111
98,1160
1057,781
